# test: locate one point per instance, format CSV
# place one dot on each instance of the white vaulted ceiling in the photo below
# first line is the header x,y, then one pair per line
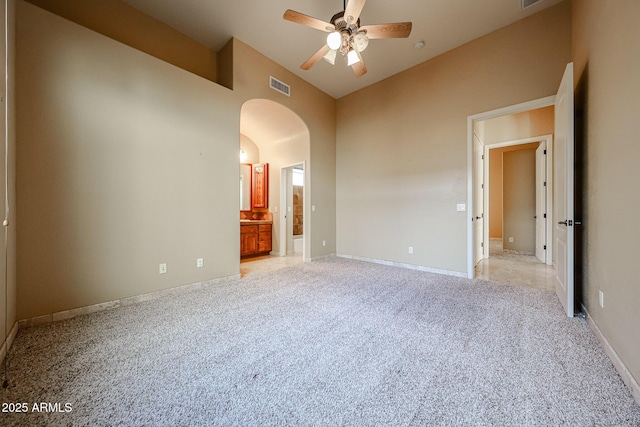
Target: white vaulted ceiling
x,y
441,24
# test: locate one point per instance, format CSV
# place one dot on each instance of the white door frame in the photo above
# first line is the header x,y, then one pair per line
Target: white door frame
x,y
481,248
283,209
547,140
518,108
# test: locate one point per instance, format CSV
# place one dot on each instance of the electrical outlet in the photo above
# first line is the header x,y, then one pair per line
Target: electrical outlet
x,y
601,298
510,239
410,249
200,262
163,268
324,243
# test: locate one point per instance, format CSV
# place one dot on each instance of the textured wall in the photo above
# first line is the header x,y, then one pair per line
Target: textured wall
x,y
119,21
606,49
124,162
402,143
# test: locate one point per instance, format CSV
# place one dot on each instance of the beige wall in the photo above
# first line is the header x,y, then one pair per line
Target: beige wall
x,y
495,193
282,139
402,143
497,210
519,201
318,111
7,265
119,21
606,49
509,128
513,127
124,162
250,148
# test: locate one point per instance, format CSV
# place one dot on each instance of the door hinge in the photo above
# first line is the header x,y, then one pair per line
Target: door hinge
x,y
545,152
545,247
545,215
482,244
482,186
545,183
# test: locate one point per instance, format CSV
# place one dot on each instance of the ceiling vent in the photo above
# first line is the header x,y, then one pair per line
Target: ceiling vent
x,y
529,3
281,87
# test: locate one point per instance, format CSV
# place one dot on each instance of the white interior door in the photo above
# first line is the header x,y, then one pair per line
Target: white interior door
x,y
478,202
564,192
541,202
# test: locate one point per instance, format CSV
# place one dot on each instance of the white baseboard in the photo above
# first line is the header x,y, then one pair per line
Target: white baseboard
x,y
6,345
321,257
109,305
626,376
404,265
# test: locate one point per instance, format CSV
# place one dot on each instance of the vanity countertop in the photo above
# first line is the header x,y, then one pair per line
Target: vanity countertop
x,y
254,221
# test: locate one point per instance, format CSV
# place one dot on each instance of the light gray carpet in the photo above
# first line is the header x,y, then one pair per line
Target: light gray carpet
x,y
332,342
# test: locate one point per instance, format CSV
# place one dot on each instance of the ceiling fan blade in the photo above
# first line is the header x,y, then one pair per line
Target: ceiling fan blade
x,y
353,10
359,69
315,58
309,21
398,30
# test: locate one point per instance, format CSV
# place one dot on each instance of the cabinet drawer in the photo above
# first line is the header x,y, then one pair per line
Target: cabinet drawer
x,y
248,229
263,228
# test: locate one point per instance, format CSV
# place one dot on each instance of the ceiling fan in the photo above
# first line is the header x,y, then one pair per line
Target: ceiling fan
x,y
346,35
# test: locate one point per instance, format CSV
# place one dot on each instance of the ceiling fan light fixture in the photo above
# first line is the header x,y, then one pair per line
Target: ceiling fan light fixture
x,y
361,41
330,57
352,57
334,40
346,35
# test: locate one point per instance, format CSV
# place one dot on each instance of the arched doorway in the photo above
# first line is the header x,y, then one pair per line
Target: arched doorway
x,y
272,133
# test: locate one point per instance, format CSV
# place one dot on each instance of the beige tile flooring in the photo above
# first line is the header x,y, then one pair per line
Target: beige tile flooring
x,y
540,276
249,266
520,270
530,274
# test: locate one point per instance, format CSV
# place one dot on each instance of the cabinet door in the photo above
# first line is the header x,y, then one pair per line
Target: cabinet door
x,y
261,186
248,244
264,238
248,239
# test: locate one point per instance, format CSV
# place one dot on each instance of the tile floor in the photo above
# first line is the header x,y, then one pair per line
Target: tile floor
x,y
503,270
249,266
539,275
515,269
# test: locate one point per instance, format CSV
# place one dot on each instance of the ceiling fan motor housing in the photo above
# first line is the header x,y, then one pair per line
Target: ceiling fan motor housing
x,y
352,37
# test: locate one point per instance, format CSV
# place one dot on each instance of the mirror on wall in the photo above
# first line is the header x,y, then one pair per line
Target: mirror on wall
x,y
245,186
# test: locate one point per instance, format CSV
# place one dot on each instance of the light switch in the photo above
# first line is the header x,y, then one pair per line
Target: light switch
x,y
461,207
